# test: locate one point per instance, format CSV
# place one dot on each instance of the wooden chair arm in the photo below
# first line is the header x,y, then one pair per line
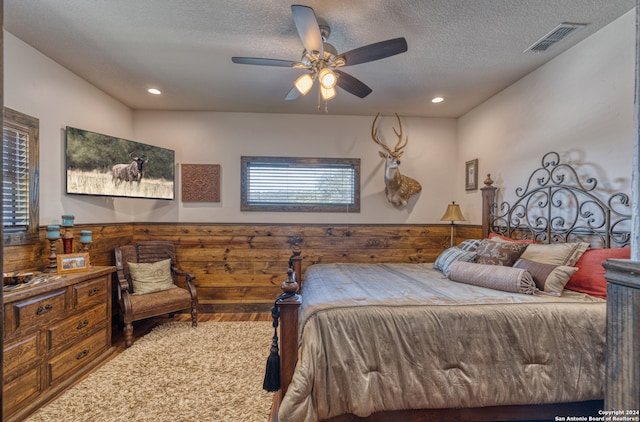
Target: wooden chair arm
x,y
189,277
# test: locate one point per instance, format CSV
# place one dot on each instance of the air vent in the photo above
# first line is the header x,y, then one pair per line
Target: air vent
x,y
558,34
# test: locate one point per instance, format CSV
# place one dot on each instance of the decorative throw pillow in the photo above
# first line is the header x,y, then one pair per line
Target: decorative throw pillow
x,y
508,279
469,245
151,277
556,253
450,256
500,238
499,253
590,276
549,278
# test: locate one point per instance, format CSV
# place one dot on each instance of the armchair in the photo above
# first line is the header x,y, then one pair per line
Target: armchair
x,y
134,305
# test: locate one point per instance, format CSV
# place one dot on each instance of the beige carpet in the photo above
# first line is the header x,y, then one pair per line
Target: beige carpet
x,y
176,373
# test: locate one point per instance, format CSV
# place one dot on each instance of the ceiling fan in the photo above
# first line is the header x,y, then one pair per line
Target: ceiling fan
x,y
321,60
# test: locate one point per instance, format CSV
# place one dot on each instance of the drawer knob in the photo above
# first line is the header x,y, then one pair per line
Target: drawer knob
x,y
93,291
82,354
44,309
83,324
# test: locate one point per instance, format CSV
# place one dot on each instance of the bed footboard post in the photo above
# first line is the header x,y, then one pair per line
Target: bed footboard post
x,y
488,200
295,263
288,332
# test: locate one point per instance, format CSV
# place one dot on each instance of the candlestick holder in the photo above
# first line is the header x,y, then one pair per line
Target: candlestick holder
x,y
85,240
53,234
67,236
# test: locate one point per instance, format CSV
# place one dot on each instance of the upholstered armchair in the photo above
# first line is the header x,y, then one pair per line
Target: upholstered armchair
x,y
146,274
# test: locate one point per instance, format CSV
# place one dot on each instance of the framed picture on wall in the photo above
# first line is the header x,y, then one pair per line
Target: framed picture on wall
x,y
98,164
471,175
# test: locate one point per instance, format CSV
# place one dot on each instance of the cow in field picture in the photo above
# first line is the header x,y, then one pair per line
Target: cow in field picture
x,y
98,164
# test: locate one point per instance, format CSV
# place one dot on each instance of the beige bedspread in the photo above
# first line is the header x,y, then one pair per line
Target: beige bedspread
x,y
401,336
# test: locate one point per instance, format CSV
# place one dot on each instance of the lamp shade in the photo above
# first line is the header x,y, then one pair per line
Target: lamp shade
x,y
327,78
304,83
453,213
327,94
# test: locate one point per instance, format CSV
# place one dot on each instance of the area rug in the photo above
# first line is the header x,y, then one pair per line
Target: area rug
x,y
213,372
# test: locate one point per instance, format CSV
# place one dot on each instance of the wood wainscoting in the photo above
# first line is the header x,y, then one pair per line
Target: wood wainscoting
x,y
240,267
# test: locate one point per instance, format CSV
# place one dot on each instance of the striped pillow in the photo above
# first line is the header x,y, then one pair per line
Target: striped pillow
x,y
451,255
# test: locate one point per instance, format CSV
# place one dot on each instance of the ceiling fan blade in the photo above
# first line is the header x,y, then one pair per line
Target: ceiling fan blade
x,y
308,29
263,62
352,85
371,52
294,94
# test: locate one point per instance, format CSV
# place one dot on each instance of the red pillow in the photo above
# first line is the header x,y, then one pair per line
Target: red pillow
x,y
589,278
508,239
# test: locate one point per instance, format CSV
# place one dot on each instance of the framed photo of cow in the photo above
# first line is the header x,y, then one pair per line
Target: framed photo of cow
x,y
104,165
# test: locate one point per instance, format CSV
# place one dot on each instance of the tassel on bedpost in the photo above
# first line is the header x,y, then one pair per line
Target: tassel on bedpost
x,y
272,372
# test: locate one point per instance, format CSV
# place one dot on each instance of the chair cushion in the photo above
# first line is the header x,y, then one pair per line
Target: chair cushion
x,y
151,277
174,299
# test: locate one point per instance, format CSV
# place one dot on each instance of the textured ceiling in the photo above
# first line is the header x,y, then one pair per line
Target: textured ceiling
x,y
463,50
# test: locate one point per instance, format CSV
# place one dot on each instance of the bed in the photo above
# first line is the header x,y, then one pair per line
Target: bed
x,y
463,338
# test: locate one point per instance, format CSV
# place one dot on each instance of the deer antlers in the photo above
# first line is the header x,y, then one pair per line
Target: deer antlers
x,y
397,151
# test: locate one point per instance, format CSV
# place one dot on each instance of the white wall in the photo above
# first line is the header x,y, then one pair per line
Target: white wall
x,y
39,87
580,105
222,138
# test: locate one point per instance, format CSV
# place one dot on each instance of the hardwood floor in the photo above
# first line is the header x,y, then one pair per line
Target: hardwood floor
x,y
140,328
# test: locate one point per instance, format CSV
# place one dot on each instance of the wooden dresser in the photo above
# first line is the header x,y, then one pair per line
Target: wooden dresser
x,y
54,333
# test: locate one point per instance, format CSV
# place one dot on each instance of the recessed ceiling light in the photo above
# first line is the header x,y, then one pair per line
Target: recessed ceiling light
x,y
154,91
437,100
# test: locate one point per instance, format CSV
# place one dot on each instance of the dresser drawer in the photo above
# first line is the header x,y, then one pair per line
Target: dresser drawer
x,y
20,391
77,356
20,355
91,293
39,310
76,326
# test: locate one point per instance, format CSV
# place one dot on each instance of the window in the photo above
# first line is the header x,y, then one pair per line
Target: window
x,y
19,178
300,184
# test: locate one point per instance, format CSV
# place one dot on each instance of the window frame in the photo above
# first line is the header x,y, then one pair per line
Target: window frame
x,y
29,235
302,162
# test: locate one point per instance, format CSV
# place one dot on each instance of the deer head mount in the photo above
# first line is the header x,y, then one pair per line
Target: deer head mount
x,y
398,188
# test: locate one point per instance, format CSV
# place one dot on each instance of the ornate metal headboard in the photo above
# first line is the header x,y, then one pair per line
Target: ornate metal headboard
x,y
557,207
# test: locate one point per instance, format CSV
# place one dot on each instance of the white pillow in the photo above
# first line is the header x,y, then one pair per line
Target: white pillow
x,y
556,253
151,277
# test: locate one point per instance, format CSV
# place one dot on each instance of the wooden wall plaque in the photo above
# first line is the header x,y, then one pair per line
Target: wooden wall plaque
x,y
200,182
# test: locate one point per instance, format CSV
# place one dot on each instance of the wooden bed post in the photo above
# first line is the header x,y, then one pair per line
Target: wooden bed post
x,y
488,200
289,323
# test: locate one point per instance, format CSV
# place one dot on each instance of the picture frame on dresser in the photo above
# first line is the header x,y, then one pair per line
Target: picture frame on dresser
x,y
73,262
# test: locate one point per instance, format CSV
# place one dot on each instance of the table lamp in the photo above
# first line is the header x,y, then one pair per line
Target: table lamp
x,y
452,214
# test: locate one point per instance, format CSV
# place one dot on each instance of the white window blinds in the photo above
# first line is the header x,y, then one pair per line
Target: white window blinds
x,y
15,177
300,184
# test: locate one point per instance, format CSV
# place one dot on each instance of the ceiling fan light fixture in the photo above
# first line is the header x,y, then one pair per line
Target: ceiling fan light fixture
x,y
327,93
304,83
328,78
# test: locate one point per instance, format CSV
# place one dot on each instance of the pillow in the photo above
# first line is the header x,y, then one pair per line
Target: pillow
x,y
499,253
508,279
556,253
590,276
548,277
469,245
500,238
449,256
151,277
